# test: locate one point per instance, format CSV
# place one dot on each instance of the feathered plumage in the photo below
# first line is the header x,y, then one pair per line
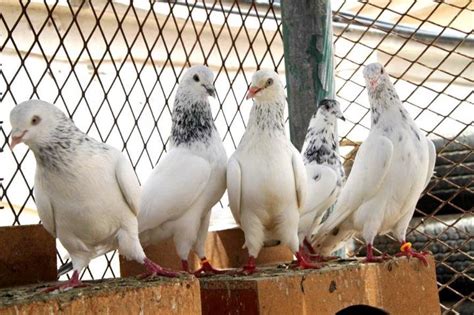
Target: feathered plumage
x,y
391,169
177,198
86,191
325,174
266,178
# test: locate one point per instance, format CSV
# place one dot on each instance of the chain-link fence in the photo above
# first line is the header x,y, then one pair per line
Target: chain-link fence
x,y
114,67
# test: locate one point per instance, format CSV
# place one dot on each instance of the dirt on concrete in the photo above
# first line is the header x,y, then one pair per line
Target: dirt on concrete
x,y
34,293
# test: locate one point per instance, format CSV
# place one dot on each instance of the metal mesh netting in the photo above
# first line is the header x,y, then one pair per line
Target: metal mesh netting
x,y
114,68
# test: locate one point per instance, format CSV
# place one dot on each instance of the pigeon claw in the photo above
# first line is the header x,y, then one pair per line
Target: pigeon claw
x,y
407,251
161,272
310,254
249,268
74,282
302,262
376,259
64,286
154,270
207,269
320,258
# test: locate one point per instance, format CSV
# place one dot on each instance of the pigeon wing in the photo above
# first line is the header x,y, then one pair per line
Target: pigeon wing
x,y
370,167
299,172
432,161
322,181
45,209
234,182
172,188
128,183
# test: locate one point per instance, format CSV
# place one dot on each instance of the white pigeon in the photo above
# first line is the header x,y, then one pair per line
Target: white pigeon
x,y
86,191
391,169
179,194
266,179
325,174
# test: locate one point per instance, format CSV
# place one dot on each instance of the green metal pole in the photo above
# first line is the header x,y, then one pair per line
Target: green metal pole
x,y
307,38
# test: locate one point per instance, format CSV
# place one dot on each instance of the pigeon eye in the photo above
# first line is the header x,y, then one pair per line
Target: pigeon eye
x,y
269,82
381,71
35,120
196,78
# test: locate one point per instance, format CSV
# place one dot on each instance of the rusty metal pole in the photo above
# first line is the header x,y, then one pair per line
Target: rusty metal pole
x,y
307,38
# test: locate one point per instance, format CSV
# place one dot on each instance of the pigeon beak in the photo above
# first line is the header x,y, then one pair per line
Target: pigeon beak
x,y
342,118
373,84
252,91
210,90
16,138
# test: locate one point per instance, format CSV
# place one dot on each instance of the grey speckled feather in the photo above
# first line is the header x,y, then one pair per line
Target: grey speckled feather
x,y
324,170
321,143
177,198
191,123
66,140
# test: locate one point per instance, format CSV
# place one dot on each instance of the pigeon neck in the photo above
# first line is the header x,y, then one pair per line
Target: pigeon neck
x,y
53,156
323,126
384,101
267,117
57,151
321,143
191,122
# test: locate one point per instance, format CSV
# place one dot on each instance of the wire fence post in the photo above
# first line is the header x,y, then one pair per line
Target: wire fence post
x,y
307,39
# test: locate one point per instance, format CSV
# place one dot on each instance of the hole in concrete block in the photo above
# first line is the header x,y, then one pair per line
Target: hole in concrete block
x,y
361,309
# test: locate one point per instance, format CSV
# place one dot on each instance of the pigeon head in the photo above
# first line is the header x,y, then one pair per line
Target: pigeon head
x,y
329,107
266,86
33,122
198,83
375,76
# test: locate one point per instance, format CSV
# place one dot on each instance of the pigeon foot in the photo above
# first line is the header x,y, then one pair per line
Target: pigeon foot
x,y
249,268
303,263
154,270
207,269
371,258
320,258
74,282
407,251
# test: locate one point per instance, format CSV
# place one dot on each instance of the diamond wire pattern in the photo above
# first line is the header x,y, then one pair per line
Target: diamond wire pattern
x,y
114,69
